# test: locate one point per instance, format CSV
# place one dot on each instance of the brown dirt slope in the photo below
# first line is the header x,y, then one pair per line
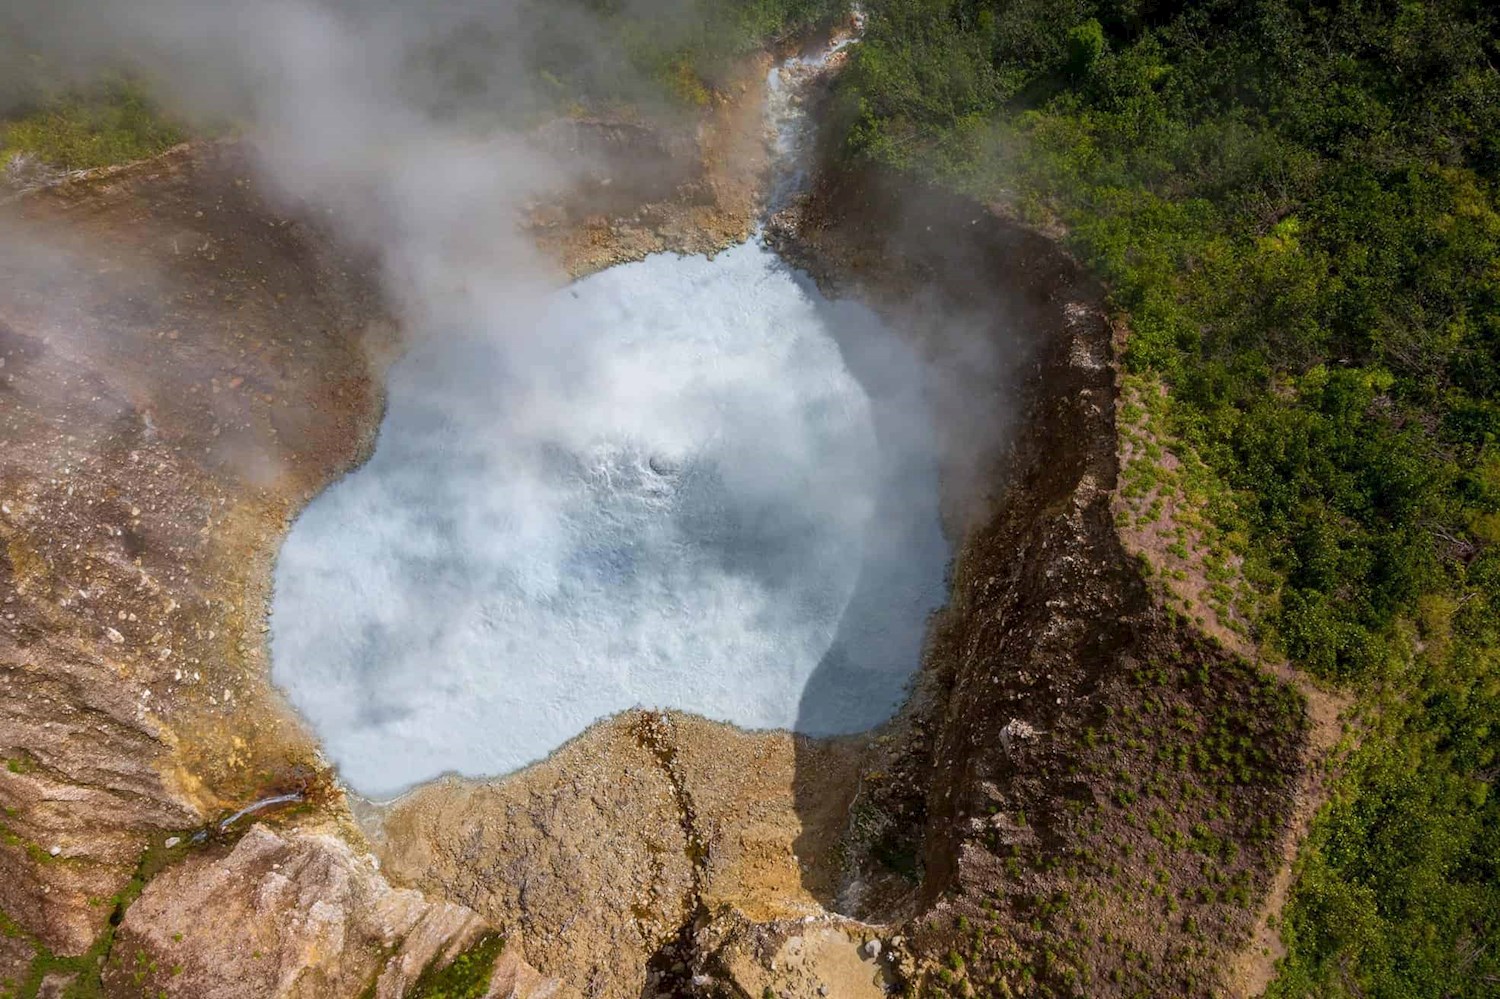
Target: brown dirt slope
x,y
1088,796
180,370
605,853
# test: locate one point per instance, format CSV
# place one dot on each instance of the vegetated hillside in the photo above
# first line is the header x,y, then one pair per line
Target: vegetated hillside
x,y
576,56
1295,204
78,128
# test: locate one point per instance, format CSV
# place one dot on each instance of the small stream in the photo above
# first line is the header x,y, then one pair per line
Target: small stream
x,y
791,86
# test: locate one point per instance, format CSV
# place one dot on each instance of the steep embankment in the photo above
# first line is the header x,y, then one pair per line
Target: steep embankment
x,y
153,325
182,367
1086,792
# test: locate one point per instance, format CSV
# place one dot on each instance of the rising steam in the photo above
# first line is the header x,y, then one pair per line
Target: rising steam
x,y
681,483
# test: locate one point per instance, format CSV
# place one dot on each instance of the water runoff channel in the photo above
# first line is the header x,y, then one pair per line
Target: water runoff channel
x,y
719,495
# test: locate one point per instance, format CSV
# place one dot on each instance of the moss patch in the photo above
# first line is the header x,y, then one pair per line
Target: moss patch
x,y
467,976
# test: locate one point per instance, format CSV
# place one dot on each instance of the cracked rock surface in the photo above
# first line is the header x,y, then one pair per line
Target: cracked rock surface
x,y
296,914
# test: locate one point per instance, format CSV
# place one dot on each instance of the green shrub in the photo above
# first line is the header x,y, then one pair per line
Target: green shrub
x,y
108,124
1085,46
467,976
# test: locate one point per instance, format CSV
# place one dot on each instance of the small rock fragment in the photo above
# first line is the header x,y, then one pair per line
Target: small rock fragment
x,y
1016,731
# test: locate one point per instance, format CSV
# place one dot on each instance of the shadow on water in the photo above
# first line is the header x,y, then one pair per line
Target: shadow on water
x,y
902,579
955,293
973,295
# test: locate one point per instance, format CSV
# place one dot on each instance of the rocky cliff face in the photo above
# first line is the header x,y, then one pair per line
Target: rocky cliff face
x,y
609,855
153,326
300,913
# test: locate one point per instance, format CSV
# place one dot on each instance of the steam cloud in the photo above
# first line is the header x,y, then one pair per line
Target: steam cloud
x,y
674,508
680,483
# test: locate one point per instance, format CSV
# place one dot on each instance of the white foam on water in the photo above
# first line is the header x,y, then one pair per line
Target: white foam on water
x,y
679,496
689,483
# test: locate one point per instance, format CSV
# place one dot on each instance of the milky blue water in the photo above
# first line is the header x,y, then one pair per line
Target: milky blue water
x,y
701,486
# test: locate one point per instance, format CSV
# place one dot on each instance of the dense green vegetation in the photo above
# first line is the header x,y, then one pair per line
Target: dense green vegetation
x,y
76,129
1398,893
1295,204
